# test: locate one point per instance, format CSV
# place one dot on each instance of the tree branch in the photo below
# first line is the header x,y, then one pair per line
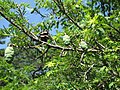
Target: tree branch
x,y
34,37
58,3
30,34
85,75
114,28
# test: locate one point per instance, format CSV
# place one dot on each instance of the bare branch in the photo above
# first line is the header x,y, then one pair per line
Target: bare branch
x,y
38,12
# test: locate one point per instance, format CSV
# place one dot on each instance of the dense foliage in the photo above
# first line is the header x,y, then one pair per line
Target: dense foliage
x,y
84,54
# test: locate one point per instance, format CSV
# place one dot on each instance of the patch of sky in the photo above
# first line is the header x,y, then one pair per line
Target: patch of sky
x,y
2,46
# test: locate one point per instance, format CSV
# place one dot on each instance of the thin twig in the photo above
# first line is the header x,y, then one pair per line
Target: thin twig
x,y
85,75
82,56
114,28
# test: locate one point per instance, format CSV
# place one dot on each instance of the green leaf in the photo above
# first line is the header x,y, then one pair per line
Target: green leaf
x,y
102,69
111,84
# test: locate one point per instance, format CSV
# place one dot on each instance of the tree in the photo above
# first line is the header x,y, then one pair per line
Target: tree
x,y
95,21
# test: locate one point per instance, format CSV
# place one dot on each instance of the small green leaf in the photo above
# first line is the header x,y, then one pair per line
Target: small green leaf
x,y
111,84
103,68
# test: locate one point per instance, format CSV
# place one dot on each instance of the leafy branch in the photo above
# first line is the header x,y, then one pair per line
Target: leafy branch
x,y
62,8
34,37
114,28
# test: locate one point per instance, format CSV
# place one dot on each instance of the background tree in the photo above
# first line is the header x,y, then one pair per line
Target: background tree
x,y
95,21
